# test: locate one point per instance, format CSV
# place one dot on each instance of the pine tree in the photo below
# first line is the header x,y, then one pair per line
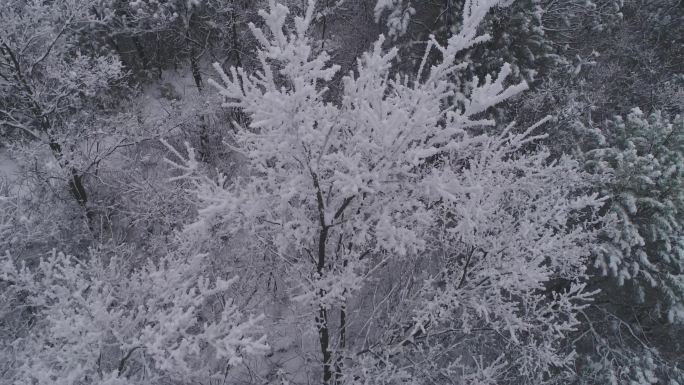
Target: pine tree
x,y
642,171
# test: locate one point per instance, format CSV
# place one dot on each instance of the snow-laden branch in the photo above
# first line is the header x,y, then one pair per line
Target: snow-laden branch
x,y
154,316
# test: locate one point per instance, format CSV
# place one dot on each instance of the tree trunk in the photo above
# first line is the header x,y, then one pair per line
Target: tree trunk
x,y
236,42
448,16
194,66
204,139
325,25
141,52
194,60
324,340
343,342
76,186
158,58
322,318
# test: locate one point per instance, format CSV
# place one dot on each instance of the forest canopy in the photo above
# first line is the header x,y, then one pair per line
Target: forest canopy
x,y
341,192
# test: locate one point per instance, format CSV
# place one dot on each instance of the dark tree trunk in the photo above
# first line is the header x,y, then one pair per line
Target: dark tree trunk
x,y
324,340
325,25
76,186
204,139
141,52
343,343
158,57
194,66
236,42
322,317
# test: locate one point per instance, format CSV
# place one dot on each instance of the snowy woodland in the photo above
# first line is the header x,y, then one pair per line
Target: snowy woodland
x,y
341,192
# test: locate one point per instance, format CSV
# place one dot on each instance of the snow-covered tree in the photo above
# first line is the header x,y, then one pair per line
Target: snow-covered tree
x,y
104,320
633,335
335,192
49,83
375,211
396,15
151,33
645,165
535,37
